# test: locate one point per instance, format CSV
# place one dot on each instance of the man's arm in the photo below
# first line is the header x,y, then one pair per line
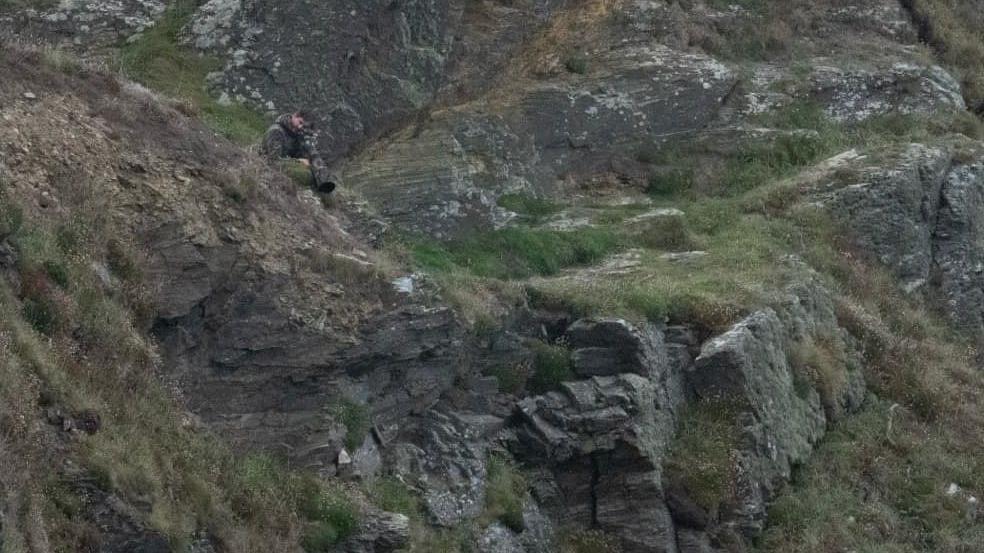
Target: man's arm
x,y
273,145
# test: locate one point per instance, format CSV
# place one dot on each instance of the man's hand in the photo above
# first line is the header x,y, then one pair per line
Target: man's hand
x,y
305,162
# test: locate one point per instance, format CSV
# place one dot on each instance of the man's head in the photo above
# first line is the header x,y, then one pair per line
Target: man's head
x,y
298,121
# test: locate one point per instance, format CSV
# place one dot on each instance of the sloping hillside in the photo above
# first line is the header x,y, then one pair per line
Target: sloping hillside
x,y
604,276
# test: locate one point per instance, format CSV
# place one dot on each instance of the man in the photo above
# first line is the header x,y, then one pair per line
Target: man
x,y
287,138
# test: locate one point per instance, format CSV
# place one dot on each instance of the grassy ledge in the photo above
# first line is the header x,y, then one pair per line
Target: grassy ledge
x,y
159,61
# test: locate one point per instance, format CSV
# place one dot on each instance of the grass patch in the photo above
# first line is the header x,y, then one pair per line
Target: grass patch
x,y
510,378
821,361
665,232
956,31
356,418
505,493
576,63
158,61
514,253
265,490
530,207
552,365
909,463
740,269
701,457
393,495
586,541
672,182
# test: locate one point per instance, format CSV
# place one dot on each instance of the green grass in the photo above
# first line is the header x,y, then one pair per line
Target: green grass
x,y
586,541
515,253
391,494
701,457
530,207
505,493
356,418
740,270
552,365
264,488
510,378
821,361
576,63
909,463
158,61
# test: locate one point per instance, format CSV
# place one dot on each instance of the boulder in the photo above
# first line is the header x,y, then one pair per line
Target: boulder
x,y
747,367
602,442
609,347
90,27
444,454
920,213
890,211
379,532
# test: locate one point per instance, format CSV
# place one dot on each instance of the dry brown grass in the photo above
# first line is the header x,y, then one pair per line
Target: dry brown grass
x,y
955,28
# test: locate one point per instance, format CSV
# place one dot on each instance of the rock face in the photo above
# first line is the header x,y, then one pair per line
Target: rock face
x,y
444,453
85,25
264,321
600,444
903,88
920,214
379,532
748,366
609,347
568,126
363,65
603,439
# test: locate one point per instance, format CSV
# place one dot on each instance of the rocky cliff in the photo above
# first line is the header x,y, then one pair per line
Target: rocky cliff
x,y
648,276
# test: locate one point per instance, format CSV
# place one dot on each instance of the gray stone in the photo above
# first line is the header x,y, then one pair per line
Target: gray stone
x,y
604,440
920,214
747,366
905,88
455,168
499,539
93,26
446,461
379,532
891,213
959,246
607,347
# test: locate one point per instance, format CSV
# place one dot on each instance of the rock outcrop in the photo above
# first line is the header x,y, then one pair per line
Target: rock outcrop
x,y
533,138
600,444
920,214
90,27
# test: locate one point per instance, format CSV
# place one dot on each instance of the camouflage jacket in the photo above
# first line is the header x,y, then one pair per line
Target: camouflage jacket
x,y
281,142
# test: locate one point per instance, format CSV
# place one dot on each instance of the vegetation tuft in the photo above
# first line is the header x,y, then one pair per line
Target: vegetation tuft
x,y
355,417
514,253
701,457
586,541
552,365
505,493
531,207
956,31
